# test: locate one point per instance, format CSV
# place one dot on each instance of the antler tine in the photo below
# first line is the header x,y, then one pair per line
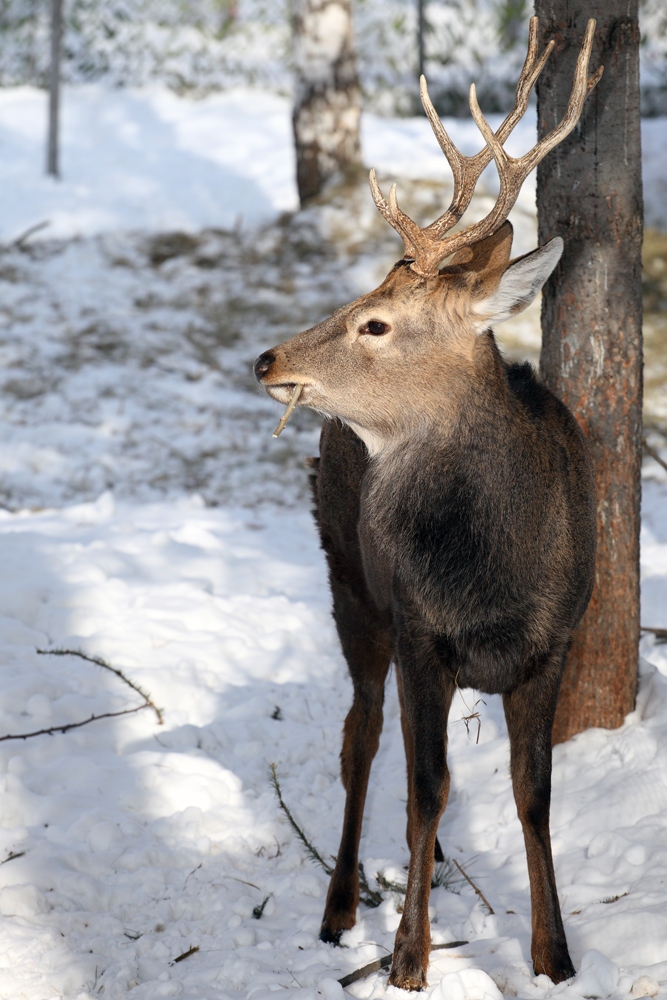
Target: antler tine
x,y
378,197
429,246
409,231
455,159
467,169
581,88
529,74
513,172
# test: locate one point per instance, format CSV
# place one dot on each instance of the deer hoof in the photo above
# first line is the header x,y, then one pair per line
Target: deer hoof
x,y
334,926
414,982
558,968
331,937
407,970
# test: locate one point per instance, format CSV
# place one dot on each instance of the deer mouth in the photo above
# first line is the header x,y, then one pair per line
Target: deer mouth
x,y
282,392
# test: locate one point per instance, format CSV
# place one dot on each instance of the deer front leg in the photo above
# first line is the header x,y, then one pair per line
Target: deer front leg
x,y
427,694
368,655
409,760
529,711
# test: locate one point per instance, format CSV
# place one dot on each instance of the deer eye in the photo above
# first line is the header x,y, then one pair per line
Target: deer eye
x,y
375,327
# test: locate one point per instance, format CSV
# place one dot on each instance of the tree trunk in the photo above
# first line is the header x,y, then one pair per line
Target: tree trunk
x,y
421,39
589,192
52,158
327,101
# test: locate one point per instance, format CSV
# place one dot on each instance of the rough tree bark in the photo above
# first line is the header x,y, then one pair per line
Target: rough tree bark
x,y
327,100
589,192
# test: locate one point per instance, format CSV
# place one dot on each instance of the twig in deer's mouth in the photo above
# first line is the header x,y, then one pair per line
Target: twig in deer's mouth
x,y
296,392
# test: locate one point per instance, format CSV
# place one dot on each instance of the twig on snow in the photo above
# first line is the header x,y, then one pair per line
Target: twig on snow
x,y
71,725
371,897
27,233
100,662
479,892
614,899
385,962
243,882
11,857
258,910
444,875
186,954
190,874
311,850
391,885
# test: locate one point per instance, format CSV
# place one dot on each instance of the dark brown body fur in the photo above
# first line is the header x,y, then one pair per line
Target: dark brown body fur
x,y
468,559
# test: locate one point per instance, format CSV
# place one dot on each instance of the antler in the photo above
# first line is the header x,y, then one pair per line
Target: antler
x,y
427,247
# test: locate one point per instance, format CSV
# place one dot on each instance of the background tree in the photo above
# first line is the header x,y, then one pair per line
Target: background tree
x,y
52,145
589,192
327,98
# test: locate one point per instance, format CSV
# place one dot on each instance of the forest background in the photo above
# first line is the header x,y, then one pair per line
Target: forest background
x,y
205,45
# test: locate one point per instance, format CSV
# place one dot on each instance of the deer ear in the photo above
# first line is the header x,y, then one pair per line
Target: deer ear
x,y
519,284
484,262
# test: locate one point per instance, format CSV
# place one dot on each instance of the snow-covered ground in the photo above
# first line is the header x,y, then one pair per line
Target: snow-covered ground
x,y
142,841
150,519
148,159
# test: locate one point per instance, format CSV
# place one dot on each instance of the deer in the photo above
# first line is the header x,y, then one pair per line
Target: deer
x,y
455,502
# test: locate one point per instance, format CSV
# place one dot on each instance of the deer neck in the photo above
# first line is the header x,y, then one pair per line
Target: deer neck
x,y
456,386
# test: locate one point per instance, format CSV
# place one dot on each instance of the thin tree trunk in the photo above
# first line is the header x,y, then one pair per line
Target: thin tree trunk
x,y
327,101
52,157
421,38
589,192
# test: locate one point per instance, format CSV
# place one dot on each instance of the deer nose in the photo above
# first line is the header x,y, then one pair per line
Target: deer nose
x,y
263,363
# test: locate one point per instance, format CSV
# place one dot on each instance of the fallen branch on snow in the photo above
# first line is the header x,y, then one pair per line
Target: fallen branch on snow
x,y
12,856
385,962
371,897
100,662
479,892
51,730
26,234
186,954
311,850
444,876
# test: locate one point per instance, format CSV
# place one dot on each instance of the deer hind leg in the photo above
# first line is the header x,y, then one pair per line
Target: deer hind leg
x,y
409,760
368,654
530,710
427,696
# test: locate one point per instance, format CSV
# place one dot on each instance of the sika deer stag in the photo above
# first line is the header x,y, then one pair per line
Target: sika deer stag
x,y
454,497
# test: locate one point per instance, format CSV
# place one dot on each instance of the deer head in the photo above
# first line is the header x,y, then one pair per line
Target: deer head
x,y
401,356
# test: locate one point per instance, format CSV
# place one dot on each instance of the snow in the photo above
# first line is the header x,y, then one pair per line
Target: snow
x,y
149,159
151,520
142,840
146,160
